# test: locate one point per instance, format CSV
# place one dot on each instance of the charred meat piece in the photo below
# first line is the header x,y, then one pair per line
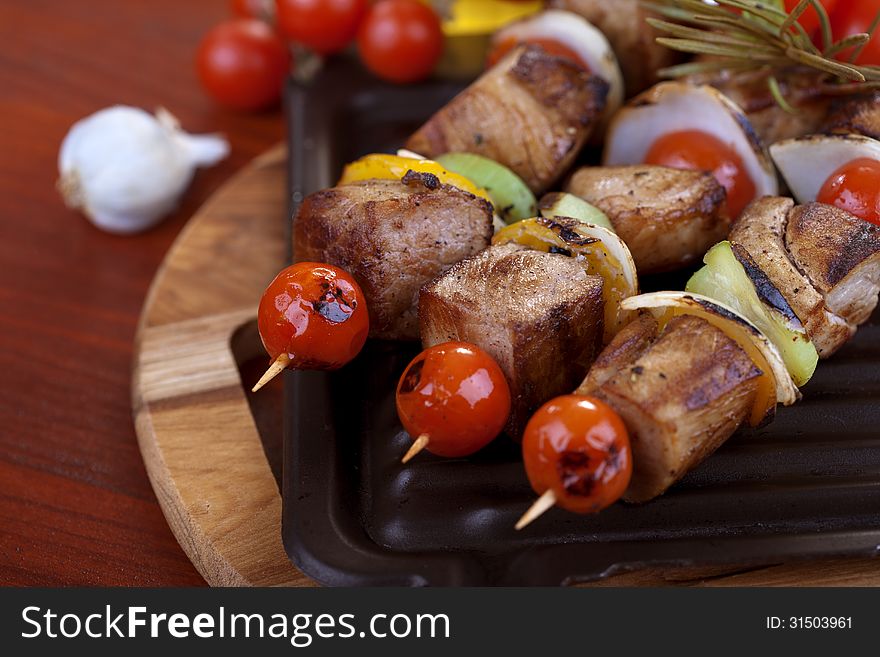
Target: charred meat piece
x,y
392,237
840,254
538,314
531,112
855,115
633,40
624,349
750,90
759,240
667,217
681,394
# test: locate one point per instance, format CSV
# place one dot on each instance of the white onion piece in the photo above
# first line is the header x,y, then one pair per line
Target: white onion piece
x,y
676,106
807,163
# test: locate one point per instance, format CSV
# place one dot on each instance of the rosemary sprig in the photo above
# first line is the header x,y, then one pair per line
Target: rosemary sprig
x,y
763,37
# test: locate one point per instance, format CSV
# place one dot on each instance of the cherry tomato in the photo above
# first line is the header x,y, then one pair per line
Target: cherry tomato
x,y
325,26
578,447
549,45
455,394
693,149
855,187
400,40
251,8
315,314
243,63
854,17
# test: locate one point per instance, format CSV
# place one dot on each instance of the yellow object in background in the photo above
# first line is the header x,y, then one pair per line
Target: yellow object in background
x,y
394,167
468,24
473,17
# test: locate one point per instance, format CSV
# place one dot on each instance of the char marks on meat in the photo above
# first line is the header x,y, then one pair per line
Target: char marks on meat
x,y
681,394
840,254
631,38
532,112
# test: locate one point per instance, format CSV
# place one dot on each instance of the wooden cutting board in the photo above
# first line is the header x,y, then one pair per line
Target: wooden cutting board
x,y
197,433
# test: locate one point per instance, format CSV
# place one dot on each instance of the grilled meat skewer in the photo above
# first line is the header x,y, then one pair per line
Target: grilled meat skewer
x,y
539,315
531,112
392,236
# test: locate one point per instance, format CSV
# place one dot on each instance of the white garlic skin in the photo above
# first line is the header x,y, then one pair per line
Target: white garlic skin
x,y
126,169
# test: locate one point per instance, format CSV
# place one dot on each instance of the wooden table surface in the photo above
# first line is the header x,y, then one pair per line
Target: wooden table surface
x,y
75,504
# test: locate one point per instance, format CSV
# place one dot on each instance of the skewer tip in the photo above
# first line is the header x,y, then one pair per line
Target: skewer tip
x,y
276,368
418,445
539,507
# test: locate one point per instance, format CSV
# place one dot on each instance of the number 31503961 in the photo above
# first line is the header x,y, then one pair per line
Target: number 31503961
x,y
810,623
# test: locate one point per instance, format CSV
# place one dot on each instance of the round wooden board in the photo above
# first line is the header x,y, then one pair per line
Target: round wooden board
x,y
196,432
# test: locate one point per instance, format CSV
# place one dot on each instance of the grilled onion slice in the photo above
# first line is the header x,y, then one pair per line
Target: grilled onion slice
x,y
807,162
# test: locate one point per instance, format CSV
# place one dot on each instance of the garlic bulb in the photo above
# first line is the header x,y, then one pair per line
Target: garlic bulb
x,y
126,169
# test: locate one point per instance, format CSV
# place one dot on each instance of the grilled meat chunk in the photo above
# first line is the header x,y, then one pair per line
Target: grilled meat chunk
x,y
681,394
854,115
633,40
624,349
392,237
667,217
538,314
531,112
759,241
840,254
750,90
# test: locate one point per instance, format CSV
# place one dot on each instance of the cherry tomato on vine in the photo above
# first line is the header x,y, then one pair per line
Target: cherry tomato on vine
x,y
400,40
243,63
694,149
855,187
452,399
315,315
578,448
854,17
325,26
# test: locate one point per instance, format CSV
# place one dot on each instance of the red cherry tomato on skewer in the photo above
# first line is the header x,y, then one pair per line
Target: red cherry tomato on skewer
x,y
694,149
312,316
855,187
452,399
577,455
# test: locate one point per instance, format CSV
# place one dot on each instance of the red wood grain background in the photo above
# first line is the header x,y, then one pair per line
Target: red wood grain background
x,y
75,504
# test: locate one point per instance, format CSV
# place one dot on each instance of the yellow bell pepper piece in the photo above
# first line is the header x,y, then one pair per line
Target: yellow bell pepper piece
x,y
470,17
382,166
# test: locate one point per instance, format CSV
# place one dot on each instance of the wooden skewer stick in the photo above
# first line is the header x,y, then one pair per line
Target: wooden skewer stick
x,y
541,505
418,445
276,368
